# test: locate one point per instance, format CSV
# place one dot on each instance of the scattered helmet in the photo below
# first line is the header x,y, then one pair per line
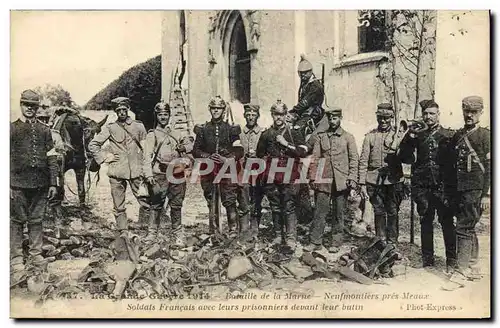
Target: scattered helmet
x,y
217,102
279,107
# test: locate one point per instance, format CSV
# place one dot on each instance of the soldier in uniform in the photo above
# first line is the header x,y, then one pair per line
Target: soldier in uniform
x,y
251,193
311,95
160,150
281,143
470,150
427,182
337,148
381,174
215,140
33,180
125,158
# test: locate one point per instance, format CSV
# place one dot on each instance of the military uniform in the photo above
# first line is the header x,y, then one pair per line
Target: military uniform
x,y
250,193
218,137
470,150
160,150
33,169
311,95
339,151
380,169
282,194
124,140
428,187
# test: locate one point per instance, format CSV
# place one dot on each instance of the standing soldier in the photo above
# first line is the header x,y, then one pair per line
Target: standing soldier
x,y
337,148
125,160
215,140
311,95
381,174
427,182
33,180
161,148
470,150
251,193
281,143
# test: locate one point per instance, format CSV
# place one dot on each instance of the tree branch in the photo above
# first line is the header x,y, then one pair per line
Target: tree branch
x,y
398,45
407,68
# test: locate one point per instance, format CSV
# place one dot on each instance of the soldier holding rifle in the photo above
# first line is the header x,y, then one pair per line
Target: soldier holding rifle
x,y
215,141
280,145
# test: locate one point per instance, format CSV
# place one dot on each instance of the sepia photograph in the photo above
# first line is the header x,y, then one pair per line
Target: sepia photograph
x,y
250,164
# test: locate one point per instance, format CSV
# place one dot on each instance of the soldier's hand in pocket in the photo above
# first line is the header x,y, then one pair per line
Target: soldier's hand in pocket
x,y
111,158
52,193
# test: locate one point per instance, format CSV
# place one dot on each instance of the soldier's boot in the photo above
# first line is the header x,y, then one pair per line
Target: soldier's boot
x,y
277,229
212,225
178,235
17,268
232,221
142,220
392,228
36,260
380,224
121,224
254,226
291,230
154,217
244,232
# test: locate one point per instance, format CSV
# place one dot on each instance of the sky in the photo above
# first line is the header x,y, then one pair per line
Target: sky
x,y
81,51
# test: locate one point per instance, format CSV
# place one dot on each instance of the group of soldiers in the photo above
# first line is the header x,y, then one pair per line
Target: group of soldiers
x,y
450,173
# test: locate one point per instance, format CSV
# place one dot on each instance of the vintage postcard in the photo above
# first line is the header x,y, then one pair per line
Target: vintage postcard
x,y
250,164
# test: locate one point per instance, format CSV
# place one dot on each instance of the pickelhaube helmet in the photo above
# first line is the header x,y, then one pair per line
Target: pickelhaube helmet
x,y
304,64
279,107
162,107
217,102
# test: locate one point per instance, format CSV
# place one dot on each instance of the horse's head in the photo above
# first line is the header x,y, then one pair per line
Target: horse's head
x,y
91,128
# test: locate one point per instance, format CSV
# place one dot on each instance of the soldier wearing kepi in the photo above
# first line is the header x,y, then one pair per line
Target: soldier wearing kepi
x,y
215,140
381,174
470,152
33,179
337,149
427,182
125,158
311,95
161,150
250,194
280,143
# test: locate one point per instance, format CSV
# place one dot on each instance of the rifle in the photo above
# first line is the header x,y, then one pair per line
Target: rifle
x,y
216,201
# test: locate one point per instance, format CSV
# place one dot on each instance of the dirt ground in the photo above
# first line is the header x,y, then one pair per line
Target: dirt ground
x,y
471,301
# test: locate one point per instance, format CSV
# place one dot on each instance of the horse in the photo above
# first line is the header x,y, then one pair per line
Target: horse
x,y
73,132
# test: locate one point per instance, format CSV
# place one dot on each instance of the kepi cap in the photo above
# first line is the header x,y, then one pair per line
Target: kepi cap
x,y
121,102
333,111
385,109
30,97
474,103
251,108
428,103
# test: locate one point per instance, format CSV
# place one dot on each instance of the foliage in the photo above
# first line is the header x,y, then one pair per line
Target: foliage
x,y
141,83
56,95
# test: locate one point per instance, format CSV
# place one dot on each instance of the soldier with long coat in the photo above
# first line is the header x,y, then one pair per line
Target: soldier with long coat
x,y
33,181
125,158
337,150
